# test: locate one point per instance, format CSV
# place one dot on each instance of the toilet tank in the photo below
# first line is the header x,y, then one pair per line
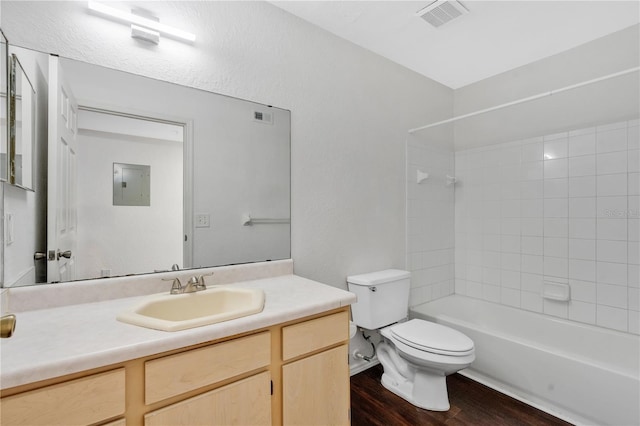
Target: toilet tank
x,y
383,297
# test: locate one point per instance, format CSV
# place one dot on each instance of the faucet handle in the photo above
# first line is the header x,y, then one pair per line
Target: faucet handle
x,y
201,283
176,286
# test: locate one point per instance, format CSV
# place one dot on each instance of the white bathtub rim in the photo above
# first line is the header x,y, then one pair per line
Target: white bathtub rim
x,y
570,412
629,373
542,348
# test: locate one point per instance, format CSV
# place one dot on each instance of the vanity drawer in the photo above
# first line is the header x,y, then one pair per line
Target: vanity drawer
x,y
82,401
186,371
245,402
308,336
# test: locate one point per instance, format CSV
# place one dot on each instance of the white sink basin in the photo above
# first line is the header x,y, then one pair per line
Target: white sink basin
x,y
173,312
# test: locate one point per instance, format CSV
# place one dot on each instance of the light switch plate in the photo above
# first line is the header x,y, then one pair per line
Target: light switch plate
x,y
203,220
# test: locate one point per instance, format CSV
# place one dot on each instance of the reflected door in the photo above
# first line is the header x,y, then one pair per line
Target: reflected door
x,y
62,158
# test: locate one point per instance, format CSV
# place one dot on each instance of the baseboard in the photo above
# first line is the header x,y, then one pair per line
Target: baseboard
x,y
358,366
507,390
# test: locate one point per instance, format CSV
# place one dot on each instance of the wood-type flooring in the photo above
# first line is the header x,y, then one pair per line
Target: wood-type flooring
x,y
471,404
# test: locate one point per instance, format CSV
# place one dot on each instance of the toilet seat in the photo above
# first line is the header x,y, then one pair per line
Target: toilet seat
x,y
431,337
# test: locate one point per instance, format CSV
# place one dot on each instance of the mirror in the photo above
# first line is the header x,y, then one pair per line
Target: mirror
x,y
131,184
211,162
4,107
22,125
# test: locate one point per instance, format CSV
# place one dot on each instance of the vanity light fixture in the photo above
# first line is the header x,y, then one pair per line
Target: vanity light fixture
x,y
147,28
146,34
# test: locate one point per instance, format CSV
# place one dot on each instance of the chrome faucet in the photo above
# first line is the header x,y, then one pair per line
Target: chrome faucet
x,y
176,285
174,267
195,283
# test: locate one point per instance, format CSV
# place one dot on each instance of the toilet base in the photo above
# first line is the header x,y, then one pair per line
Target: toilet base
x,y
428,390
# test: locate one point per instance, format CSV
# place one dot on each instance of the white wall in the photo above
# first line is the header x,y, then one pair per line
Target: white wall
x,y
350,110
606,55
2,276
549,190
107,233
603,102
239,166
561,207
23,205
430,213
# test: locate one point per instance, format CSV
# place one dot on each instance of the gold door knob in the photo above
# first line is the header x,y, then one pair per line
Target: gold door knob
x,y
7,325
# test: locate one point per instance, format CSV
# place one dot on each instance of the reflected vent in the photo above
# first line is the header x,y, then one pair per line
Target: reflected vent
x,y
263,117
440,12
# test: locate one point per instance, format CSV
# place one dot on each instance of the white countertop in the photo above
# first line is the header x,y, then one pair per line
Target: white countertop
x,y
54,342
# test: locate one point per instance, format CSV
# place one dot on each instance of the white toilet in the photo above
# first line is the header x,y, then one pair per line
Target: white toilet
x,y
416,355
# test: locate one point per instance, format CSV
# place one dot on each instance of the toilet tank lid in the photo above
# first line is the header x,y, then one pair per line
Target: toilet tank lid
x,y
380,277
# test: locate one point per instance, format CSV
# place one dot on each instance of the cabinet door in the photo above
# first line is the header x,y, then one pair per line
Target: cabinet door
x,y
316,389
82,401
245,402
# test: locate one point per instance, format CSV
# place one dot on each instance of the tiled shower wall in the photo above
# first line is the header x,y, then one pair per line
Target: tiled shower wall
x,y
430,222
561,207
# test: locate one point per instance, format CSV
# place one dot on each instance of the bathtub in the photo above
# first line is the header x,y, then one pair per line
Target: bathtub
x,y
577,372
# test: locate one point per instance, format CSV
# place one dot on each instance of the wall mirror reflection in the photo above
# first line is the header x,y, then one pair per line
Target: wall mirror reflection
x,y
4,89
210,159
22,132
131,185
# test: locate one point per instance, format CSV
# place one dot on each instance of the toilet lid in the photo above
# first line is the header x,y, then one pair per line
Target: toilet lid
x,y
432,337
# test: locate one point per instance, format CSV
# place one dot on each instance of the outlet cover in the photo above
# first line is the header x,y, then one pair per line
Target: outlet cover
x,y
203,220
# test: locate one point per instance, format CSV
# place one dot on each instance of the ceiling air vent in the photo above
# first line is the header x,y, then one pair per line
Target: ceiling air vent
x,y
440,12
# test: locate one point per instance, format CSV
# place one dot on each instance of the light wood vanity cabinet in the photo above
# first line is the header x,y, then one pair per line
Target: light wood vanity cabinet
x,y
119,422
245,402
291,373
186,371
314,389
86,400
